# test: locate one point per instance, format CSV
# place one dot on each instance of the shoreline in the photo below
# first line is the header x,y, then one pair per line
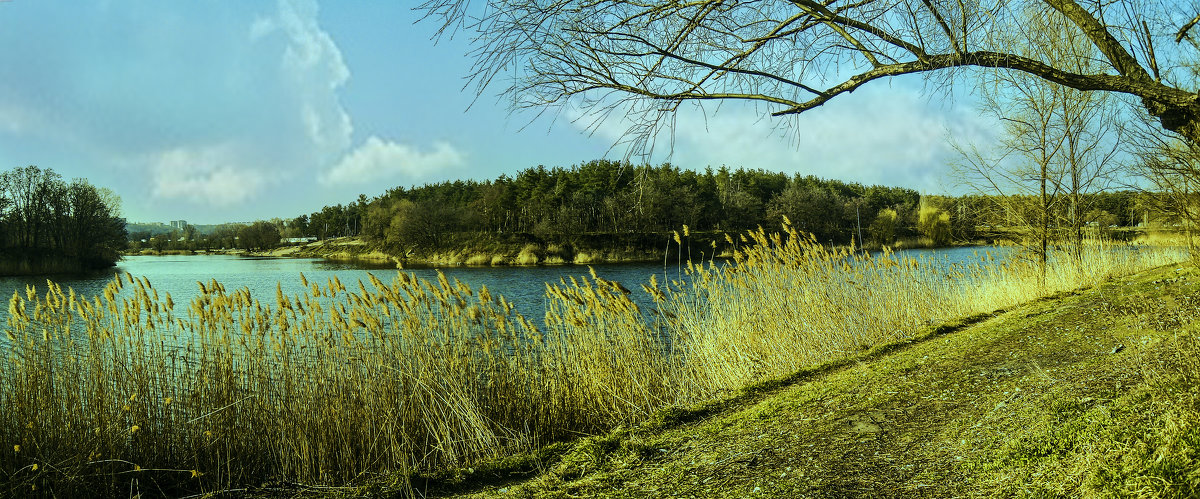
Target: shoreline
x,y
356,250
436,323
859,424
49,265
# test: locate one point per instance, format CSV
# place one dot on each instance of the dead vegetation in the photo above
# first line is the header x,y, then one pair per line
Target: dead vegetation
x,y
382,385
1085,394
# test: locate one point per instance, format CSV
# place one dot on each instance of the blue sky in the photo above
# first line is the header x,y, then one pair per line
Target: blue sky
x,y
235,111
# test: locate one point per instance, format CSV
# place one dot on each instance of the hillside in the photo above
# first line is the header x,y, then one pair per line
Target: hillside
x,y
1089,393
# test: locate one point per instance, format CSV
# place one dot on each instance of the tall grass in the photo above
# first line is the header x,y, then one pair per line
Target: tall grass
x,y
129,392
791,303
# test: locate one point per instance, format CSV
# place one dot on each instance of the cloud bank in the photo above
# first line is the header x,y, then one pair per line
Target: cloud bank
x,y
226,106
376,159
889,135
204,176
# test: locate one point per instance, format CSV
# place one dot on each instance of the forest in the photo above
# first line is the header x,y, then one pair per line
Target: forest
x,y
610,200
608,197
51,225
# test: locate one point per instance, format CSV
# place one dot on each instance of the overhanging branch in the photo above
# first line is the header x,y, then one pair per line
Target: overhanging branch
x,y
1146,89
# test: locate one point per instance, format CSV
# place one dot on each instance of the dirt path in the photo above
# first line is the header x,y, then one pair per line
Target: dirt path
x,y
934,418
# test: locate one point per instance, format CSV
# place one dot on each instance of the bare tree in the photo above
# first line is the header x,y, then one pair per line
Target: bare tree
x,y
1021,173
30,191
644,59
1172,166
1058,143
1093,139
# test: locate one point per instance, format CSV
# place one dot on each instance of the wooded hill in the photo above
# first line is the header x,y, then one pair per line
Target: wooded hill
x,y
608,197
621,203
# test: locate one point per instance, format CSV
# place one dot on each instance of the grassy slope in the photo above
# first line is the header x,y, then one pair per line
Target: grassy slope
x,y
1028,402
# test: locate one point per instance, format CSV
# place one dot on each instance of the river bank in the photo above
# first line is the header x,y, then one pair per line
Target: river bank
x,y
29,265
523,251
450,375
515,251
1087,393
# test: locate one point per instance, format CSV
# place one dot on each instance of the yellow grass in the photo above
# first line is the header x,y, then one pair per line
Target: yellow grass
x,y
479,259
583,258
528,255
1163,237
129,390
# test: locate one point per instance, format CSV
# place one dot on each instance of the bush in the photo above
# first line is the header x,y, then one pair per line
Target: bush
x,y
934,224
883,229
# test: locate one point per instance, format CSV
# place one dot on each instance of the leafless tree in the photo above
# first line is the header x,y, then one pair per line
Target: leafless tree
x,y
642,60
1058,143
1172,166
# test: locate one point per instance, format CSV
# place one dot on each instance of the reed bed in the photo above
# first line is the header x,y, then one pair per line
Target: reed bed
x,y
128,392
791,303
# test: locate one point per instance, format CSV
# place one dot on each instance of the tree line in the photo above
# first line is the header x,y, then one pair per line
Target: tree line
x,y
608,199
44,217
604,199
257,236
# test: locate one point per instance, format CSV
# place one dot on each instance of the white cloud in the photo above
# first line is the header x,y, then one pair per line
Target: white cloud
x,y
261,27
880,135
377,159
210,176
192,106
314,68
298,122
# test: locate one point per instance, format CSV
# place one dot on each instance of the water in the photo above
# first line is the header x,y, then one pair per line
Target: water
x,y
178,275
523,286
949,258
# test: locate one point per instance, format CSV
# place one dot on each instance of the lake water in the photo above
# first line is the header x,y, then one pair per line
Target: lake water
x,y
524,286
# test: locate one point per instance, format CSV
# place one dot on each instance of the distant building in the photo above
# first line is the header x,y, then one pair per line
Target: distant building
x,y
178,224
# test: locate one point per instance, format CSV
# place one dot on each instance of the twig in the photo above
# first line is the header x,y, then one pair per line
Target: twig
x,y
210,413
1184,30
215,493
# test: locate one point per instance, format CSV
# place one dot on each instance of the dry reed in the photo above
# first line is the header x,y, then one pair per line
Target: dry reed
x,y
128,390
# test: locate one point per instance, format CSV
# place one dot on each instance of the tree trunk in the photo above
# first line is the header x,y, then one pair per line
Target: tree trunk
x,y
1045,231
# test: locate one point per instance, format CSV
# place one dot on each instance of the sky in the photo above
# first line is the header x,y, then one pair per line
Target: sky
x,y
233,111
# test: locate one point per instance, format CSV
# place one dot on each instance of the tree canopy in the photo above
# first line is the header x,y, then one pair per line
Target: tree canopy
x,y
43,216
610,197
644,59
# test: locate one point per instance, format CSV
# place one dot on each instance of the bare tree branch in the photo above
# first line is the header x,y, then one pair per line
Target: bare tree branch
x,y
1186,27
791,56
